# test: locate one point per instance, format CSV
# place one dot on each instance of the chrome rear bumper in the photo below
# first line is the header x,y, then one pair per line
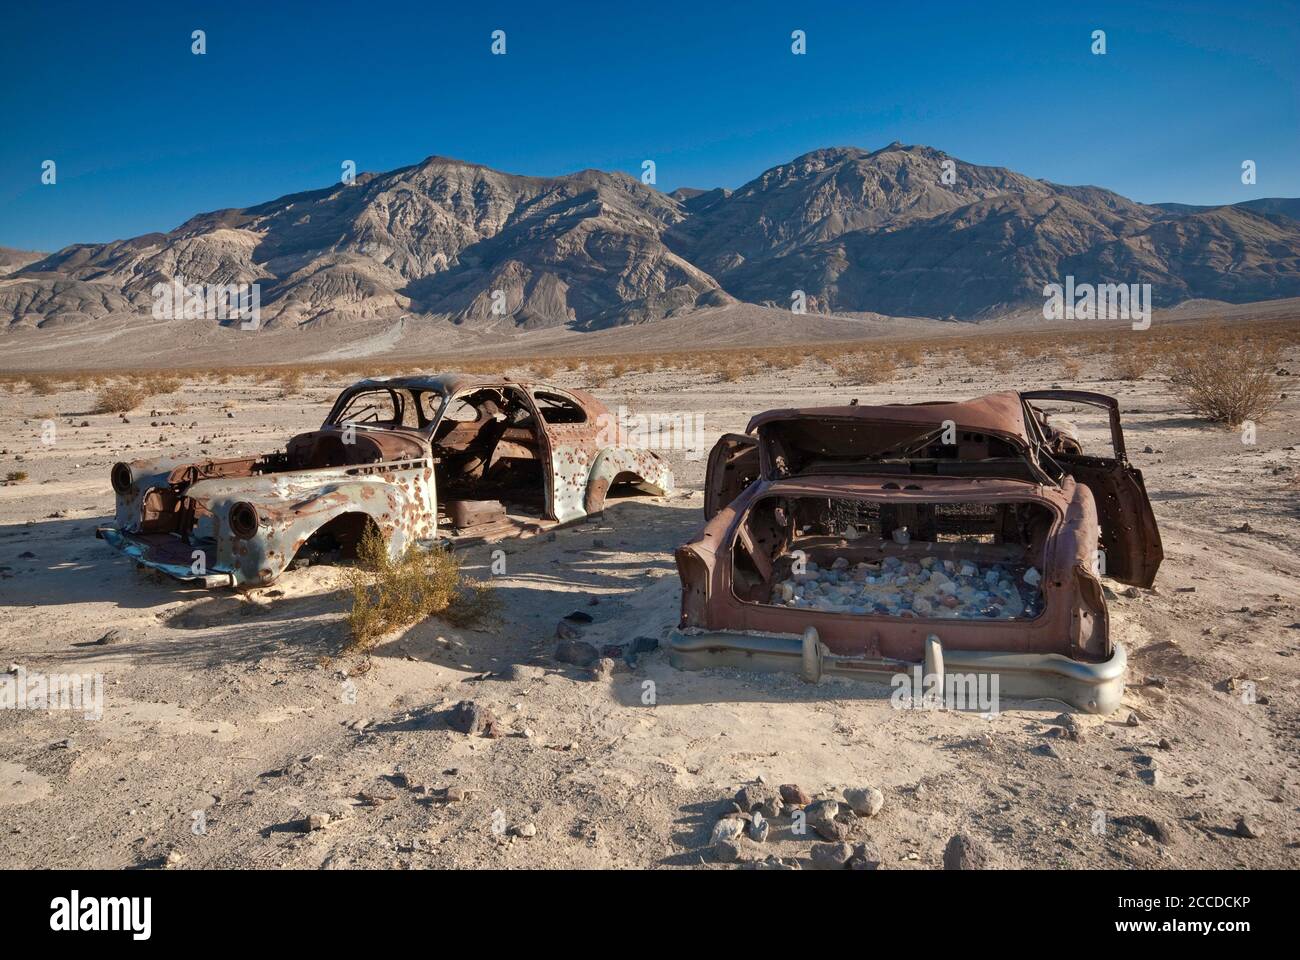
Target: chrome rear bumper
x,y
1092,687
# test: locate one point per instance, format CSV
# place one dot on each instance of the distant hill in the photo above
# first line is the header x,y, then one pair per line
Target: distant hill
x,y
902,231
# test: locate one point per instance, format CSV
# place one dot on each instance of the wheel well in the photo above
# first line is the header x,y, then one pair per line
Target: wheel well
x,y
344,534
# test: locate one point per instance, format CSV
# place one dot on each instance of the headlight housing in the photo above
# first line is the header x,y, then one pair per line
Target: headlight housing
x,y
121,477
243,520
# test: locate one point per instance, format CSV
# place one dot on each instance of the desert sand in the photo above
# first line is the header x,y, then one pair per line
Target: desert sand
x,y
228,719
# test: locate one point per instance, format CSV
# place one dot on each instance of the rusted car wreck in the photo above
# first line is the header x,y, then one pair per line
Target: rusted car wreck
x,y
426,459
966,537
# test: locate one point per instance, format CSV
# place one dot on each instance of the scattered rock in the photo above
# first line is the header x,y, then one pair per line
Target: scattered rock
x,y
526,830
821,817
795,795
317,821
568,631
865,801
759,827
830,856
727,829
753,796
727,851
865,857
580,653
640,645
602,669
1246,828
772,808
111,637
1070,726
470,718
520,672
1132,720
578,616
964,853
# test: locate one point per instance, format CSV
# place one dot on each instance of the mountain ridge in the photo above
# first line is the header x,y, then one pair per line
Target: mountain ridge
x,y
903,230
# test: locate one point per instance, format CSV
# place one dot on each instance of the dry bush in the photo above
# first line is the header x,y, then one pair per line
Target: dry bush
x,y
160,384
544,370
1132,363
42,386
290,382
1070,368
1227,383
15,476
121,397
731,371
908,355
389,594
864,368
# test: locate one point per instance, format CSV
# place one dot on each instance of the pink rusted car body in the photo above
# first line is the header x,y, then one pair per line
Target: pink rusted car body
x,y
990,480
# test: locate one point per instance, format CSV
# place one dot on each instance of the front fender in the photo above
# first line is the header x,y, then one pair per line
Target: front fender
x,y
288,517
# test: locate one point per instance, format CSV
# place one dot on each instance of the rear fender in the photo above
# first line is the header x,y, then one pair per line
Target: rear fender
x,y
652,474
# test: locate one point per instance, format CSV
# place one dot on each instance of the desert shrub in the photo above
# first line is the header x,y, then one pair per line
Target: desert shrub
x,y
161,383
731,371
15,476
1070,369
121,397
1227,383
544,369
290,382
618,370
42,386
908,355
864,368
1132,363
388,594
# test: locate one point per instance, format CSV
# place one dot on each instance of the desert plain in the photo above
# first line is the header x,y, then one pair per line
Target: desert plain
x,y
232,721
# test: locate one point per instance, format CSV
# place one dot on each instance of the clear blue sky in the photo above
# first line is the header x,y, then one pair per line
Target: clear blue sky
x,y
146,134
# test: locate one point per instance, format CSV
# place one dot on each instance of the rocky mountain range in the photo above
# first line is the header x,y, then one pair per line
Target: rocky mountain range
x,y
903,230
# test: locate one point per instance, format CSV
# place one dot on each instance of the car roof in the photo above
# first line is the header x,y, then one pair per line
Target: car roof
x,y
994,413
449,384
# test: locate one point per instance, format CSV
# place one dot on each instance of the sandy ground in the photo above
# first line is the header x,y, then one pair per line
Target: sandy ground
x,y
228,719
140,341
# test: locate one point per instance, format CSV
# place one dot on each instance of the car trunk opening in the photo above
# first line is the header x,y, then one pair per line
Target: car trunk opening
x,y
911,558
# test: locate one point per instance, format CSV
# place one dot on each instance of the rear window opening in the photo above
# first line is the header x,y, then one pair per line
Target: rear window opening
x,y
963,560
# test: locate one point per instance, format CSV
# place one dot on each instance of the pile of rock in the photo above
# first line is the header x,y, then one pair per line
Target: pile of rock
x,y
928,587
758,806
